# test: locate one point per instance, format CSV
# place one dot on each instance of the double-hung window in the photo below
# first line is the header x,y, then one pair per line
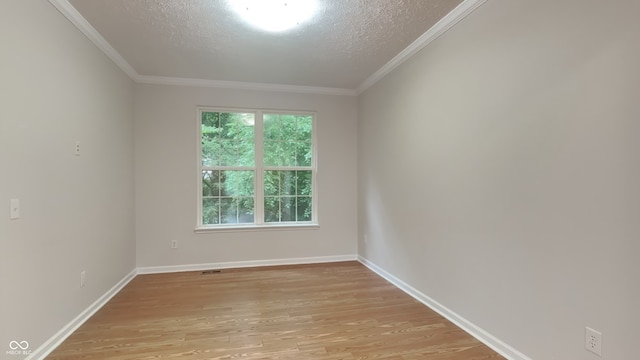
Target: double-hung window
x,y
256,168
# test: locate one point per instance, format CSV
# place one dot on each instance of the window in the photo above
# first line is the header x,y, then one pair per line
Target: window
x,y
256,168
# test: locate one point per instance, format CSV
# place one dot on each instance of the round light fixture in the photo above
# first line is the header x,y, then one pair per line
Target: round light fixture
x,y
274,15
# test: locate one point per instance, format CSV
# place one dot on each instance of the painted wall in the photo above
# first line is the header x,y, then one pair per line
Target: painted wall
x,y
499,172
166,179
76,211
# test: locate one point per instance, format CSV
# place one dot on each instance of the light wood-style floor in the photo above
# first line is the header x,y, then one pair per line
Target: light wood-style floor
x,y
304,312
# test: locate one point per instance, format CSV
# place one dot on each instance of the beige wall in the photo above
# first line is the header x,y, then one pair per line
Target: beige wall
x,y
166,179
496,174
76,212
499,172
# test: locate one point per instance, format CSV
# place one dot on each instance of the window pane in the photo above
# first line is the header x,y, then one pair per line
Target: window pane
x,y
287,183
271,183
288,208
210,119
227,139
303,179
304,127
271,209
227,196
280,209
210,125
243,182
236,183
288,153
304,208
210,211
246,154
227,154
287,140
237,126
228,211
287,195
282,182
210,183
236,211
288,128
303,153
271,126
245,210
271,153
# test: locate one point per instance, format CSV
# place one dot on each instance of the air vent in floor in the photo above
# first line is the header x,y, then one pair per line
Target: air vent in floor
x,y
209,272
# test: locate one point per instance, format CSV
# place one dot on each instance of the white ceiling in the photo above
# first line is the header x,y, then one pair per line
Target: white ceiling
x,y
346,44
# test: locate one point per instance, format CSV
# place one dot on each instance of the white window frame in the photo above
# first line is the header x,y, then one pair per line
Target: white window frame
x,y
259,168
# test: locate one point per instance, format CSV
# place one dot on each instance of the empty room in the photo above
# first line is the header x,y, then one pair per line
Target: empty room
x,y
320,179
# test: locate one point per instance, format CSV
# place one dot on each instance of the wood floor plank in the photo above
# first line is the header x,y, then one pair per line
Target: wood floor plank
x,y
338,311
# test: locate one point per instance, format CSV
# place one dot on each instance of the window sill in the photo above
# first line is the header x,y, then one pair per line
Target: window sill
x,y
253,227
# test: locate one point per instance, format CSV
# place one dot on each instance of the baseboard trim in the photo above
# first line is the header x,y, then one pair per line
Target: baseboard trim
x,y
245,264
57,339
477,332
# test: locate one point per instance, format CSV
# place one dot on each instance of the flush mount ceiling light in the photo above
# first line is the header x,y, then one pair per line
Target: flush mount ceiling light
x,y
274,15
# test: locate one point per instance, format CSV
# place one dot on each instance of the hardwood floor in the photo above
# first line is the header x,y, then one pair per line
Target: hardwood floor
x,y
308,312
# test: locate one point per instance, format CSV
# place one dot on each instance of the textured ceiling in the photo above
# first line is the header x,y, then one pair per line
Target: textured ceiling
x,y
344,44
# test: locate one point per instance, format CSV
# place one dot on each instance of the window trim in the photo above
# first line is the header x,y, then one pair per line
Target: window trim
x,y
259,168
288,226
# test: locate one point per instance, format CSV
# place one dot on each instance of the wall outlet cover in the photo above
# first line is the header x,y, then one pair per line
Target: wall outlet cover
x,y
593,341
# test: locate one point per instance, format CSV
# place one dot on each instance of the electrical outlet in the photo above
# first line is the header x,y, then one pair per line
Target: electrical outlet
x,y
174,244
593,341
83,278
77,150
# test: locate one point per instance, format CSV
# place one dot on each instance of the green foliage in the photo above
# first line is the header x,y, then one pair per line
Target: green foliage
x,y
227,196
287,195
287,140
227,139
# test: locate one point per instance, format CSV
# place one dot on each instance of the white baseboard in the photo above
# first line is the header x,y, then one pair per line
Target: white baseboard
x,y
245,264
475,331
483,336
53,342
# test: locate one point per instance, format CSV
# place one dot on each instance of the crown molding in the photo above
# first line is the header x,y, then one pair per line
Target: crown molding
x,y
161,80
90,32
455,16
